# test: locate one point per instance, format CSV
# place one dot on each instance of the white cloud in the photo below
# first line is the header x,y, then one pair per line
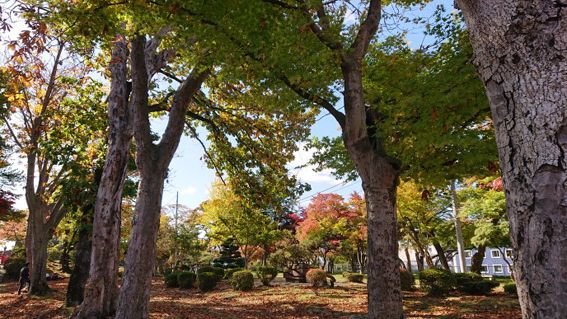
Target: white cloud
x,y
189,190
308,173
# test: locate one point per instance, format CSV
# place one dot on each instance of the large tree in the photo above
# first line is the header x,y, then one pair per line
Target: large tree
x,y
520,51
47,77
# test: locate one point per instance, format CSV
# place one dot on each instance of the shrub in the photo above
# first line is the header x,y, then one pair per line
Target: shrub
x,y
228,272
510,289
473,284
316,277
436,281
206,281
218,272
266,274
13,267
171,280
354,277
406,280
242,280
332,280
186,280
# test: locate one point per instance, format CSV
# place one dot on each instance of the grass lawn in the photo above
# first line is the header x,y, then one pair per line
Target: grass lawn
x,y
282,300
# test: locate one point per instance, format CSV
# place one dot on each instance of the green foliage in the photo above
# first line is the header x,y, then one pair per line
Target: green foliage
x,y
436,281
171,280
430,109
266,274
229,272
485,208
316,277
206,281
230,256
218,272
407,280
242,280
354,277
186,280
473,284
13,267
510,289
226,216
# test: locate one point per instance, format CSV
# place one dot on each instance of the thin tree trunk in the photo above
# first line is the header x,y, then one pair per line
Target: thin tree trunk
x,y
477,258
520,51
408,258
419,261
101,289
441,255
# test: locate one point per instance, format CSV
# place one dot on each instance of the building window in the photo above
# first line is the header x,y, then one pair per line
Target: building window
x,y
495,253
508,253
484,268
468,254
498,269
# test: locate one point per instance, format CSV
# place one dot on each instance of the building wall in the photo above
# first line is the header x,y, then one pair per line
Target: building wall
x,y
494,262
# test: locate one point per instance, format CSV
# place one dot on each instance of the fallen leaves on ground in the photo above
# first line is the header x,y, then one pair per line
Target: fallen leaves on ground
x,y
280,301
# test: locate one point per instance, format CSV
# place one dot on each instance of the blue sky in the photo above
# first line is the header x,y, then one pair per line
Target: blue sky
x,y
192,179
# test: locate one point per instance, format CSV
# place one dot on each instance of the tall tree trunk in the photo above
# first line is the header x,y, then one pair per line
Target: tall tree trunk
x,y
379,181
80,274
152,161
520,51
101,289
477,258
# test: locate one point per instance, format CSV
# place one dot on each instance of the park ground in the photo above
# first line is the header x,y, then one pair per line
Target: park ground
x,y
281,301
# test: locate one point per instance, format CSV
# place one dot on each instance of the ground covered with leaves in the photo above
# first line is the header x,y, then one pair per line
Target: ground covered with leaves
x,y
281,301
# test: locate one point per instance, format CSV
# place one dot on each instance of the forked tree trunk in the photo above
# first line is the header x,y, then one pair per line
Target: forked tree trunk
x,y
101,290
152,161
520,51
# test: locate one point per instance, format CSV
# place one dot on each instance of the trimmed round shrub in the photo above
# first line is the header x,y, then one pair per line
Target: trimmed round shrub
x,y
406,280
186,280
242,280
206,281
473,284
354,277
171,280
230,271
436,281
266,274
316,277
511,289
12,268
219,272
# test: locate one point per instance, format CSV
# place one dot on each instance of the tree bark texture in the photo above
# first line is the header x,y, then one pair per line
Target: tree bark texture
x,y
80,273
152,161
520,51
379,181
101,290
